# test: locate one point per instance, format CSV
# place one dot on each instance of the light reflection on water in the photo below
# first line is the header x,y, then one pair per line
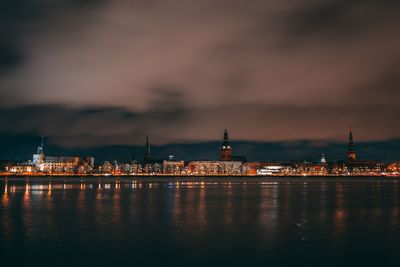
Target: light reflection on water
x,y
231,221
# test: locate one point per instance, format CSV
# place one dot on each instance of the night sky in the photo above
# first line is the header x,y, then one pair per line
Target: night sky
x,y
290,74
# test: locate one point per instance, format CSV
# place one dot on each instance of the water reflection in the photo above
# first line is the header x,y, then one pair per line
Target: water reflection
x,y
339,218
198,215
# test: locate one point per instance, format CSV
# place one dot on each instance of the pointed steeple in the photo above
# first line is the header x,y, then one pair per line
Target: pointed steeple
x,y
226,138
148,144
323,159
147,154
40,148
351,154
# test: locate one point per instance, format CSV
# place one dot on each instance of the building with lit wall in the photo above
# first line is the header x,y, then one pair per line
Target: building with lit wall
x,y
20,168
60,164
215,167
275,168
311,169
173,166
393,168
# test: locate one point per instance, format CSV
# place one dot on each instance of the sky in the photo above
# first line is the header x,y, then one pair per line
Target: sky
x,y
96,73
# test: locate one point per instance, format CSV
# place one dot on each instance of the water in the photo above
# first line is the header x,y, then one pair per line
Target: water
x,y
281,222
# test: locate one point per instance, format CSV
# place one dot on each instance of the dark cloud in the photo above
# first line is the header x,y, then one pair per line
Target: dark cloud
x,y
20,20
88,127
341,18
91,73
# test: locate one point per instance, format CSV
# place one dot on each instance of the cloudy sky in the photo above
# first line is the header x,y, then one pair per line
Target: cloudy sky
x,y
98,72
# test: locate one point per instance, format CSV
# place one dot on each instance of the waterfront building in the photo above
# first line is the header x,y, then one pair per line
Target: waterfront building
x,y
366,167
59,164
20,168
152,168
173,166
107,168
251,168
275,168
226,149
312,169
215,167
136,168
393,168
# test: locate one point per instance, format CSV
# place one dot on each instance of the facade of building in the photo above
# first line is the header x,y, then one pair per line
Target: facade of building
x,y
393,169
311,169
60,164
215,167
275,168
20,168
173,166
367,167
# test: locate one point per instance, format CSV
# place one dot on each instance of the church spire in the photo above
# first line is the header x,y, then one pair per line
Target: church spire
x,y
226,149
42,144
226,138
351,154
40,148
147,154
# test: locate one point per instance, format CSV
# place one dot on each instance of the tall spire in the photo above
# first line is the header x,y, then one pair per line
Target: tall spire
x,y
226,138
226,149
351,154
351,142
40,148
147,144
147,154
42,144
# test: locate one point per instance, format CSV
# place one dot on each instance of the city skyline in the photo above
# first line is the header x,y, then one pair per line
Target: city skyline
x,y
309,150
229,163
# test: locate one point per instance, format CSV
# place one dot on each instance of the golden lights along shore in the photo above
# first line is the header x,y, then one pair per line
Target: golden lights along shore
x,y
228,166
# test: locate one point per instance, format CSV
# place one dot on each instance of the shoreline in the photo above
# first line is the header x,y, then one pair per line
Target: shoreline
x,y
186,178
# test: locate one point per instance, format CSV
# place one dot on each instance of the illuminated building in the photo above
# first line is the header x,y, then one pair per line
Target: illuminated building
x,y
173,166
215,167
394,168
107,167
23,168
312,169
60,164
226,149
275,168
366,167
251,168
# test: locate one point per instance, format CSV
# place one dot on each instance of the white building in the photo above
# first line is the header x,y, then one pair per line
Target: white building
x,y
215,167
